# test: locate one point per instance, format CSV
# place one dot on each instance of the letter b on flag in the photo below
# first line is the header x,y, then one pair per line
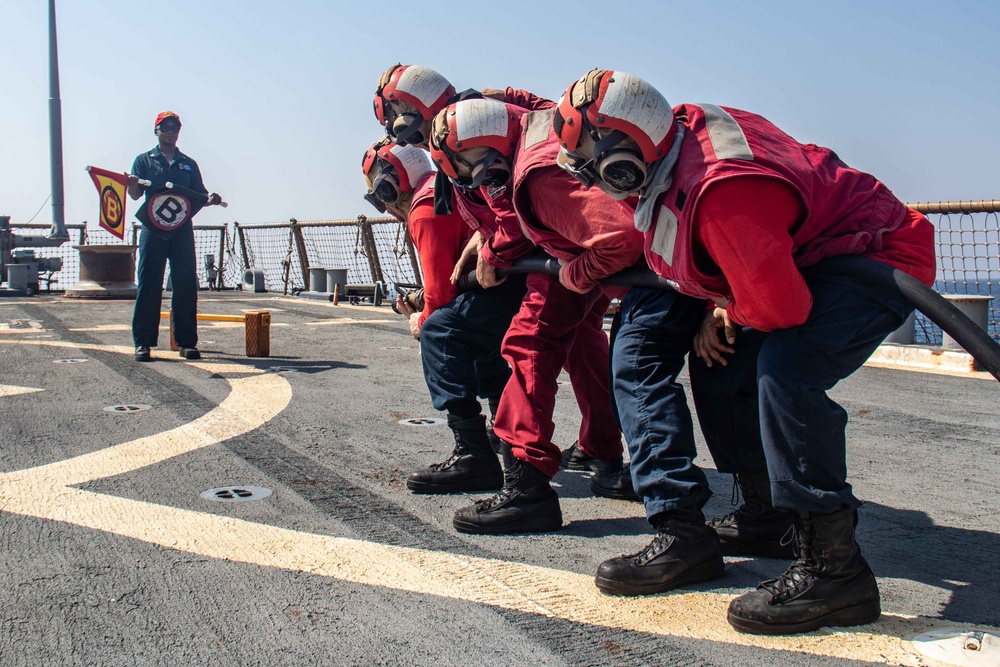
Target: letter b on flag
x,y
168,210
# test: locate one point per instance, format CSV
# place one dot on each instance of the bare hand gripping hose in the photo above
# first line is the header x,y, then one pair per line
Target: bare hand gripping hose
x,y
966,333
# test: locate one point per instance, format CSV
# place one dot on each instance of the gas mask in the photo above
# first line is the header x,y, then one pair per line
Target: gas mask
x,y
385,188
622,171
578,167
375,201
491,170
616,170
407,128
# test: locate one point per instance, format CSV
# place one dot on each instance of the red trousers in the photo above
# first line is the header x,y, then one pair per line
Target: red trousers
x,y
555,328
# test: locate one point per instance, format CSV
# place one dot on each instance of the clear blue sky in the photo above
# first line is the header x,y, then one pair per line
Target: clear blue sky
x,y
276,97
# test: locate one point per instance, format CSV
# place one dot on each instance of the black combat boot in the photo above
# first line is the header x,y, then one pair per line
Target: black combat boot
x,y
472,465
613,479
527,503
684,551
573,458
756,528
829,585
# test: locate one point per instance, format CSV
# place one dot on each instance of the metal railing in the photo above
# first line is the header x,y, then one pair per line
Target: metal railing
x,y
371,249
380,250
967,238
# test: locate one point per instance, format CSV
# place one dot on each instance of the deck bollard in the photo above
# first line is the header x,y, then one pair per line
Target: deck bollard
x,y
317,279
336,277
975,306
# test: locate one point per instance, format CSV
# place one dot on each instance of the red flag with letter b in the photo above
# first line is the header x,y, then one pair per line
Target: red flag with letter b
x,y
111,187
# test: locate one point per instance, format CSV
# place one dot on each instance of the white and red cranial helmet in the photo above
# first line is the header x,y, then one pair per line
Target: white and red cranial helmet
x,y
391,171
475,123
602,101
371,153
612,126
420,87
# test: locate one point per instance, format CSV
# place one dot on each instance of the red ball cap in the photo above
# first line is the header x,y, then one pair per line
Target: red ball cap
x,y
165,115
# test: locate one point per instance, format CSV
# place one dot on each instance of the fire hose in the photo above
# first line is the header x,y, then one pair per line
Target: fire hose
x,y
936,308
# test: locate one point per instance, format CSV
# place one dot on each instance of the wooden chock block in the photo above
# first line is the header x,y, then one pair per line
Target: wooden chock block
x,y
258,333
173,344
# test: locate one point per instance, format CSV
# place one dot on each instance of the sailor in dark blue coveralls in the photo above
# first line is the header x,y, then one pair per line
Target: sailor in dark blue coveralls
x,y
169,235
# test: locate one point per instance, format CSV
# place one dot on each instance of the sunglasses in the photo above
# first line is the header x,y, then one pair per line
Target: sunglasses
x,y
170,128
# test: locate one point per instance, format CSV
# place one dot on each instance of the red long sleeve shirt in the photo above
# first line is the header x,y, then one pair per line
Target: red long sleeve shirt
x,y
743,229
527,100
587,227
509,241
439,241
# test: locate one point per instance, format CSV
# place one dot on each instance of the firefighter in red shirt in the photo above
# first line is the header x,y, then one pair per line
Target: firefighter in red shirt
x,y
460,334
509,155
735,210
407,97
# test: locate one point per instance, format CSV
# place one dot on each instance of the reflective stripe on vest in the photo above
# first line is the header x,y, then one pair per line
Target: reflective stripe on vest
x,y
726,135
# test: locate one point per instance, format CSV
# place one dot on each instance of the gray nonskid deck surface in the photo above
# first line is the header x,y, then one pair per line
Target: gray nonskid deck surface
x,y
81,588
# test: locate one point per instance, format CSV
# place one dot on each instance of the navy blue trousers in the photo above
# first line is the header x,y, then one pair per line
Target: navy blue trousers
x,y
655,333
154,253
768,409
460,346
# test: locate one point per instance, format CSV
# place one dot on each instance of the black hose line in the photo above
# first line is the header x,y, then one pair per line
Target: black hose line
x,y
953,321
636,276
966,333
